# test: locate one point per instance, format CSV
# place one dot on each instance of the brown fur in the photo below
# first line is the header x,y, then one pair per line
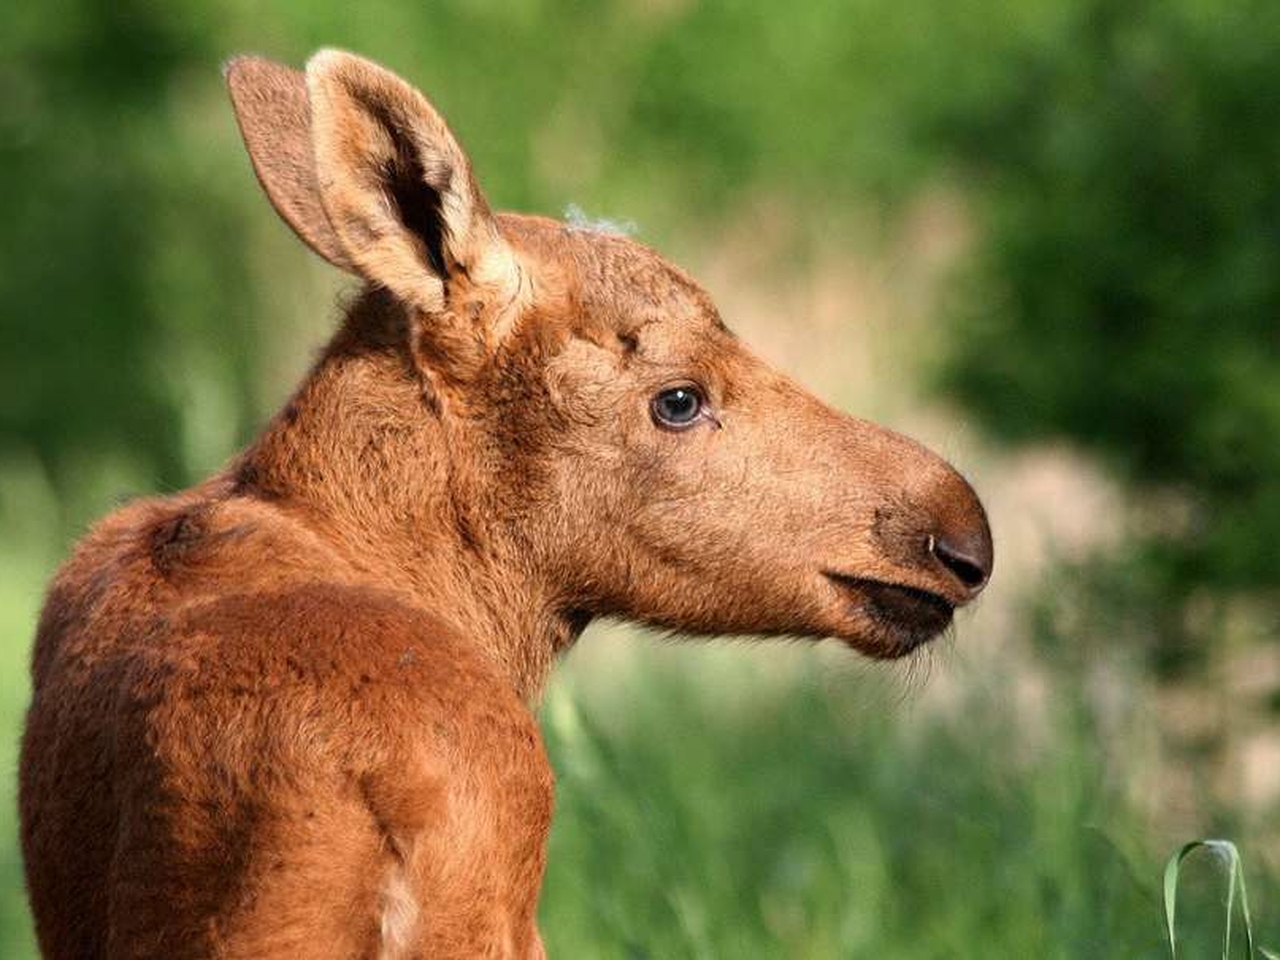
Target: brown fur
x,y
285,713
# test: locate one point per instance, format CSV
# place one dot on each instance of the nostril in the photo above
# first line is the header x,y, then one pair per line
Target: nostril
x,y
968,569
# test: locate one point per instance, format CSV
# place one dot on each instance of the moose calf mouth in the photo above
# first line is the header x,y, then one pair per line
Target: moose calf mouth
x,y
907,617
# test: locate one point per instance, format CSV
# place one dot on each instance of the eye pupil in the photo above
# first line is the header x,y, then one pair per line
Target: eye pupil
x,y
677,406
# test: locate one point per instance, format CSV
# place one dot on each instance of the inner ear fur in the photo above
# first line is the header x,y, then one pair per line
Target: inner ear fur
x,y
396,187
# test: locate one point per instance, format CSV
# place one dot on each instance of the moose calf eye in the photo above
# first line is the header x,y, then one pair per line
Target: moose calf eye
x,y
677,407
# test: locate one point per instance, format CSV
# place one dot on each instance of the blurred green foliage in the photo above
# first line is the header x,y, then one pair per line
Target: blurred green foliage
x,y
1120,164
101,212
824,819
1128,291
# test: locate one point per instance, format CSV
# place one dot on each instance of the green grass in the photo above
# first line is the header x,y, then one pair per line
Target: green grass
x,y
829,818
1237,891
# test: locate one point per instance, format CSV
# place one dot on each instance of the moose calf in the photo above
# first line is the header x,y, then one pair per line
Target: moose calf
x,y
286,713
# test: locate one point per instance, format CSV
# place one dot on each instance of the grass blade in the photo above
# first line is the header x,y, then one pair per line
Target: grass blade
x,y
1225,851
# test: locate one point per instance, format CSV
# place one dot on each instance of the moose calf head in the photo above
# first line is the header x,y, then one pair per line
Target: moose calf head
x,y
607,436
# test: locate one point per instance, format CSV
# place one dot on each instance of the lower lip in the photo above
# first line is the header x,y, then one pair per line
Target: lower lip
x,y
910,604
915,616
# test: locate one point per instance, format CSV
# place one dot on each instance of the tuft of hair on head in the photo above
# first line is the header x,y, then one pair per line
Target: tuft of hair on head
x,y
579,219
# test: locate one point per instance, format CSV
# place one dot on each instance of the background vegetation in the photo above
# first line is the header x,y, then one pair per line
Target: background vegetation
x,y
1043,236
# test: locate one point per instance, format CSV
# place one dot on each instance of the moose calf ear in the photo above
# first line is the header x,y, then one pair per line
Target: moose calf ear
x,y
270,102
396,186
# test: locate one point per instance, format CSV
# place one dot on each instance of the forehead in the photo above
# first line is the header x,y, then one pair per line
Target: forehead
x,y
634,286
610,284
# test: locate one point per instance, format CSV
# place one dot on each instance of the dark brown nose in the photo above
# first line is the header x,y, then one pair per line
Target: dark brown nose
x,y
966,555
